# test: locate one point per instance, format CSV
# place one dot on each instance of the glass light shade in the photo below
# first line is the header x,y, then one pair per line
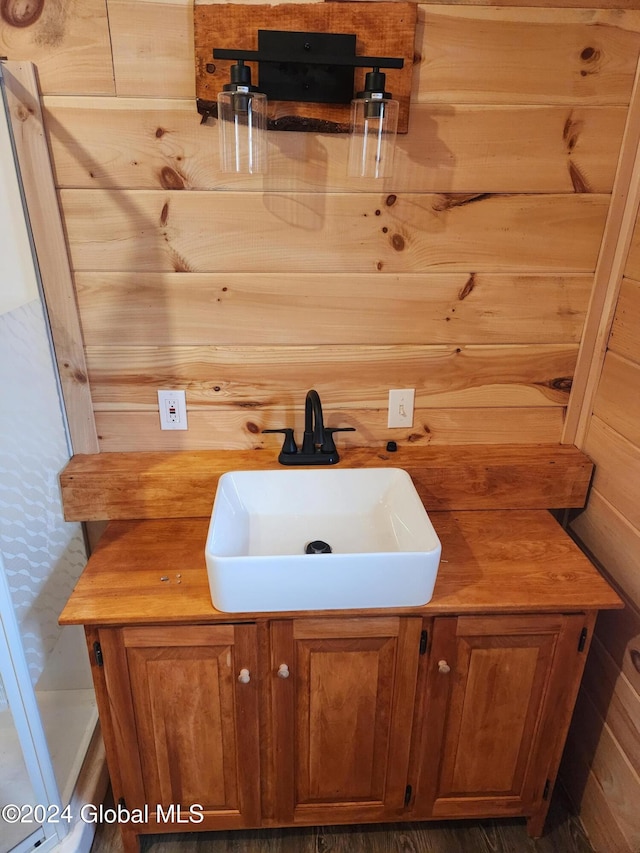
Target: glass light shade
x,y
242,129
374,122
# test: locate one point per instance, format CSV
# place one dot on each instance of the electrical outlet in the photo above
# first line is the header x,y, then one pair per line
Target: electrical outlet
x,y
401,407
173,409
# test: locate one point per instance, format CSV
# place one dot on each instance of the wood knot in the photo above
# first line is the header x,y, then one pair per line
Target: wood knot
x,y
591,56
21,13
164,214
160,132
561,383
397,241
23,113
170,179
571,132
391,200
578,180
253,428
447,201
466,290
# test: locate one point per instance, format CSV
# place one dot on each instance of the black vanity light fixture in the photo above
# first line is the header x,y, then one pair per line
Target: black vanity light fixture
x,y
312,68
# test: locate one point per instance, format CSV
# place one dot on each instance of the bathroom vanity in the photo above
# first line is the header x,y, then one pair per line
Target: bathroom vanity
x,y
459,708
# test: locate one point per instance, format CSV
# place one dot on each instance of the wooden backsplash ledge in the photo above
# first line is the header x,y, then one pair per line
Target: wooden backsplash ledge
x,y
183,484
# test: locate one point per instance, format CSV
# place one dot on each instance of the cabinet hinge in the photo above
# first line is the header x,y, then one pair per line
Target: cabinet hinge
x,y
547,786
407,795
582,642
97,653
424,639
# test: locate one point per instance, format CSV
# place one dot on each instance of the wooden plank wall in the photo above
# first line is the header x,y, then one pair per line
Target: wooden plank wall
x,y
467,276
604,746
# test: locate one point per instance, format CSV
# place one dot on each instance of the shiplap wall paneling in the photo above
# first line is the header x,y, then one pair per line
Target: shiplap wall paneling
x,y
620,636
596,745
617,399
143,230
142,143
615,697
608,275
614,540
256,377
129,309
468,276
239,428
47,233
266,385
611,694
610,529
564,56
626,323
67,41
152,45
632,268
601,760
466,53
470,271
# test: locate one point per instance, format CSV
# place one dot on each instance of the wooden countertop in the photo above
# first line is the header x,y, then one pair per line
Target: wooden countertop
x,y
493,561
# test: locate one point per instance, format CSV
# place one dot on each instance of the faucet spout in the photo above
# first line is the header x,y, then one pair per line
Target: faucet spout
x,y
313,422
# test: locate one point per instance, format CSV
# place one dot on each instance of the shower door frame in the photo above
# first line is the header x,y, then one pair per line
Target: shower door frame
x,y
24,709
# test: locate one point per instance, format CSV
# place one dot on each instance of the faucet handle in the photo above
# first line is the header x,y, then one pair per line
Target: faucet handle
x,y
289,444
329,445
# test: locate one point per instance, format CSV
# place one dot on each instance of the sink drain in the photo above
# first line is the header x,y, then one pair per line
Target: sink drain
x,y
318,547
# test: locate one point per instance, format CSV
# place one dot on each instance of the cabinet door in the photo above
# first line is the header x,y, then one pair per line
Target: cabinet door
x,y
186,729
341,720
498,698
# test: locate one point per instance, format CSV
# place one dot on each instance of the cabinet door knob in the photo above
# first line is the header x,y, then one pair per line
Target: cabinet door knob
x,y
283,671
443,666
245,676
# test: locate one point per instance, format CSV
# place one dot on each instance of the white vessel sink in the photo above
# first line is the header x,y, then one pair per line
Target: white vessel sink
x,y
384,550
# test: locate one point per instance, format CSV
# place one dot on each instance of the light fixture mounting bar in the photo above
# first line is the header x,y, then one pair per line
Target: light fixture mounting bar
x,y
309,59
307,67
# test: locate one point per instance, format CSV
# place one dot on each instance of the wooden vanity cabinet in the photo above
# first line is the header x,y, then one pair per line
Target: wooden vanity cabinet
x,y
181,729
341,719
338,719
496,695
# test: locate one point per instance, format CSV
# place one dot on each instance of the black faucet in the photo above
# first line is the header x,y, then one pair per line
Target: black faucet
x,y
318,446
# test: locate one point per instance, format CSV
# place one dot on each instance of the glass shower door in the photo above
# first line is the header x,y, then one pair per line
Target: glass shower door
x,y
28,791
16,790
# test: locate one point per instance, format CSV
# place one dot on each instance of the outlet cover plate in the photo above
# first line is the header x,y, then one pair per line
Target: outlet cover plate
x,y
173,409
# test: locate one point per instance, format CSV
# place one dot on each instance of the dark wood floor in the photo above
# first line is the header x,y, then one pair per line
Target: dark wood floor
x,y
564,835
